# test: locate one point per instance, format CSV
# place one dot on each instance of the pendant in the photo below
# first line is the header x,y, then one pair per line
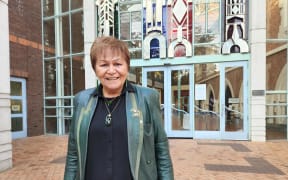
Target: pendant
x,y
108,120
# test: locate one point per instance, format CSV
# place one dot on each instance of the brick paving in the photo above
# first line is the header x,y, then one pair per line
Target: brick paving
x,y
43,158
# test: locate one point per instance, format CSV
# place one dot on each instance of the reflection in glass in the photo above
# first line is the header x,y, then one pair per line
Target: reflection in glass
x,y
276,19
50,102
16,88
66,34
135,75
207,29
131,26
65,5
213,19
199,22
67,77
77,32
135,53
154,48
50,111
67,125
276,95
206,38
78,74
50,77
16,124
276,116
136,24
207,49
207,116
180,99
276,70
63,76
234,99
49,38
68,110
156,80
125,26
75,4
50,107
48,7
134,44
51,125
129,5
276,129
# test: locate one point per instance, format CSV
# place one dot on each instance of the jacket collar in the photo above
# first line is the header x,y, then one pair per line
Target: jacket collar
x,y
128,87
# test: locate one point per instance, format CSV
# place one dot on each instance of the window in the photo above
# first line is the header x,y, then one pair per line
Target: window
x,y
131,26
63,61
207,28
276,69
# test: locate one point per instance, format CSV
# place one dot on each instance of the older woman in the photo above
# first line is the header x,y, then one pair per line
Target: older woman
x,y
116,130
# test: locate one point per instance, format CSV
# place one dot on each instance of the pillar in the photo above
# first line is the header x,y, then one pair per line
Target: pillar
x,y
5,118
257,33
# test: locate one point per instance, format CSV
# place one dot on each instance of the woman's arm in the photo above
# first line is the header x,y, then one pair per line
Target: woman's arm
x,y
163,159
71,167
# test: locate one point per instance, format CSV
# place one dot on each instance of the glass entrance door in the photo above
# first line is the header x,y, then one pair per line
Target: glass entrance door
x,y
220,101
234,123
173,84
18,108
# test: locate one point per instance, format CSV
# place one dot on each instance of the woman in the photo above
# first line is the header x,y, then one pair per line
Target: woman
x,y
116,131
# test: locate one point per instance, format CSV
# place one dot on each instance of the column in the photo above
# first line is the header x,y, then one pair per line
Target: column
x,y
257,33
90,31
5,118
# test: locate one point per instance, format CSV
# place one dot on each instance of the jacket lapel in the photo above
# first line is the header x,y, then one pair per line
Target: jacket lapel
x,y
85,118
135,132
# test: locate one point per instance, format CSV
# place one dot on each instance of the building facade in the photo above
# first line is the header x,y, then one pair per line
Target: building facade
x,y
205,57
26,64
220,66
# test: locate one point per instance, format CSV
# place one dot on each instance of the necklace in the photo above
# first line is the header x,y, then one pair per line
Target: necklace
x,y
108,117
109,101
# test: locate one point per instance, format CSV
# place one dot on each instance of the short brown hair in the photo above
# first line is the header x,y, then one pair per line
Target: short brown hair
x,y
105,42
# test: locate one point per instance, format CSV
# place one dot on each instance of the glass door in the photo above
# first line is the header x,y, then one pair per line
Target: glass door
x,y
155,78
207,114
173,84
220,101
234,123
18,108
179,102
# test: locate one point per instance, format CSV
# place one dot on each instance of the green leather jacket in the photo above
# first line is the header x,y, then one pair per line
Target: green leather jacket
x,y
148,147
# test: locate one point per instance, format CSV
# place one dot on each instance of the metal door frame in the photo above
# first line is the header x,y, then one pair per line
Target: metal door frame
x,y
23,98
167,98
234,135
222,134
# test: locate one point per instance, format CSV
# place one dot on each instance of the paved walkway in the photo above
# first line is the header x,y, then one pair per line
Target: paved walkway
x,y
43,158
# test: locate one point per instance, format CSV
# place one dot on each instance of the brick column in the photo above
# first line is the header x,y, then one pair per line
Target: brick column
x,y
89,10
257,33
5,117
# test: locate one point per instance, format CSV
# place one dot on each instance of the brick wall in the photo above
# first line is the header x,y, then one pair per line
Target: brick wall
x,y
26,57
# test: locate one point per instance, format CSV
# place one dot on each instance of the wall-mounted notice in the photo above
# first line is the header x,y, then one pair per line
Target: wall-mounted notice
x,y
200,92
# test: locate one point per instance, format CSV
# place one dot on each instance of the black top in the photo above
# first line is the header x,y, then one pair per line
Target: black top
x,y
107,152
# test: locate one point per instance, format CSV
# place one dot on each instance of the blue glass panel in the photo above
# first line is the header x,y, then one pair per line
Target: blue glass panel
x,y
164,21
144,22
154,48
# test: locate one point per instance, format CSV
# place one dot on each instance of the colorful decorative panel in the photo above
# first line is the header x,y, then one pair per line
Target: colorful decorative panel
x,y
106,17
169,24
235,27
179,23
154,15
